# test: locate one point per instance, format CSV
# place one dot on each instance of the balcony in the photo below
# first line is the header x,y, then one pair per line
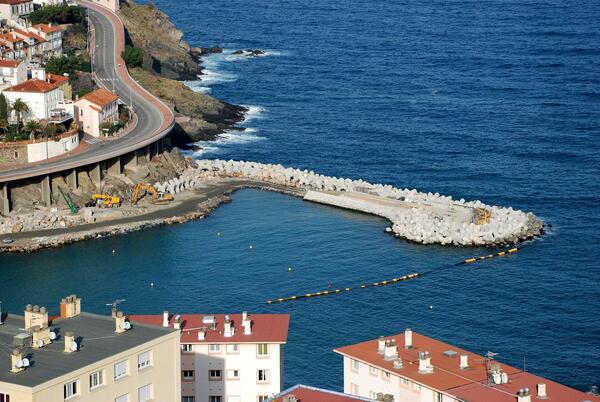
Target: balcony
x,y
59,116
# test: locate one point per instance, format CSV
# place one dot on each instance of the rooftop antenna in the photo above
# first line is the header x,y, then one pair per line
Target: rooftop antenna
x,y
489,356
114,304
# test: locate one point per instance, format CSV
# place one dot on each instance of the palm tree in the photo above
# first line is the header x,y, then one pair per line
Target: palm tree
x,y
33,127
3,126
19,107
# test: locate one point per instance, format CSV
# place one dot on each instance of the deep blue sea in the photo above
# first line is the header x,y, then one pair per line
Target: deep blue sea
x,y
494,100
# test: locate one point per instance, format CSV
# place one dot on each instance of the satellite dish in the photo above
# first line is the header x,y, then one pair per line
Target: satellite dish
x,y
497,378
52,335
504,378
25,362
127,325
74,346
39,343
20,363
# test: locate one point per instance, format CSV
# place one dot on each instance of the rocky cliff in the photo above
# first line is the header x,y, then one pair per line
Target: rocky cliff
x,y
165,51
168,58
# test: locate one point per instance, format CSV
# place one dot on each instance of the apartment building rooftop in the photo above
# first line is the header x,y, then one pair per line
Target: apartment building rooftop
x,y
101,97
303,393
455,371
33,86
62,345
223,328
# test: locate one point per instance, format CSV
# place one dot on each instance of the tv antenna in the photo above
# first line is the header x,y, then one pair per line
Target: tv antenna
x,y
489,356
115,303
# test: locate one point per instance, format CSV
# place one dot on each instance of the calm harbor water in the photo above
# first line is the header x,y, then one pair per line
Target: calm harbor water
x,y
497,101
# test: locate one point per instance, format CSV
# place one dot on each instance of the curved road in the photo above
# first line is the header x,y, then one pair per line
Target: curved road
x,y
154,118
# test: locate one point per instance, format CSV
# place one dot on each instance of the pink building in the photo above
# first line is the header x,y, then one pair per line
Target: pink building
x,y
94,109
416,368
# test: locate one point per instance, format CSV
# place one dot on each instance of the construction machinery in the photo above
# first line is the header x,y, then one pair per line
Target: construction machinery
x,y
106,201
69,201
158,197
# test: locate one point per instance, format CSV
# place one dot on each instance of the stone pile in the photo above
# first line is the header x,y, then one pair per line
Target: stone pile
x,y
430,221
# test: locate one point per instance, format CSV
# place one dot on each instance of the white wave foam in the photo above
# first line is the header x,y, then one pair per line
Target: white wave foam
x,y
253,113
229,137
210,77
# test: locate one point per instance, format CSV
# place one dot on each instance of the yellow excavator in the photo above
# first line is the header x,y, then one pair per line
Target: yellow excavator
x,y
106,201
158,197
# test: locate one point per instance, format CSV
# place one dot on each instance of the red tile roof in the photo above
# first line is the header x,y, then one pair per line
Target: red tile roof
x,y
449,378
101,97
56,78
35,86
266,328
15,2
310,394
10,63
45,28
9,37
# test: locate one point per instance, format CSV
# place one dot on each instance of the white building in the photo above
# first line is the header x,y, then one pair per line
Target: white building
x,y
52,36
94,109
228,358
14,12
12,72
42,97
415,368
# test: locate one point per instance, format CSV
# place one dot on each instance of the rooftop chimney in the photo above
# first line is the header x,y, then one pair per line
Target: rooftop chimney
x,y
35,316
464,362
398,364
165,319
408,344
381,397
15,358
228,329
425,366
391,350
70,306
381,345
541,390
202,334
121,325
70,344
40,336
177,322
290,398
524,395
246,323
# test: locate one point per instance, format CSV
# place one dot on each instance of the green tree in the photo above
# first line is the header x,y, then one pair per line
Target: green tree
x,y
33,127
3,108
133,56
19,107
57,14
67,64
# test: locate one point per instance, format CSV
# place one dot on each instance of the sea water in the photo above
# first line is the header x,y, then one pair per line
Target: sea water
x,y
497,101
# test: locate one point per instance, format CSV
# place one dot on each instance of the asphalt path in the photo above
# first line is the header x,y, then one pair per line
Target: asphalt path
x,y
153,120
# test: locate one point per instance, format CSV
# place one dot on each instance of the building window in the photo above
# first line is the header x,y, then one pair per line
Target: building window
x,y
262,375
233,398
4,398
372,394
145,393
354,389
215,398
122,398
233,348
143,360
385,375
187,347
96,379
262,349
188,374
71,390
416,387
188,399
262,398
440,398
120,369
214,375
373,371
233,374
354,364
404,381
213,348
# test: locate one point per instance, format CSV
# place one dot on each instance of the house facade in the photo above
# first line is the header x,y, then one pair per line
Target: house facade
x,y
52,37
86,357
228,358
12,72
98,107
414,368
14,12
42,97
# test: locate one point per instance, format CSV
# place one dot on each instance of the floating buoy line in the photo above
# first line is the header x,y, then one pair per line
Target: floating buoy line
x,y
337,291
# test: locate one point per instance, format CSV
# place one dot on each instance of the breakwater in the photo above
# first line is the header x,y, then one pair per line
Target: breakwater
x,y
416,216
